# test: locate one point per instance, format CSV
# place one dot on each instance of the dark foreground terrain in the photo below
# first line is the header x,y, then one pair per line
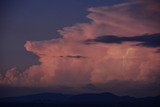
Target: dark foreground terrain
x,y
81,100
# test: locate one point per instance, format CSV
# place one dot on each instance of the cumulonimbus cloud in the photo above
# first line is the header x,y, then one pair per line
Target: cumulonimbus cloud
x,y
69,61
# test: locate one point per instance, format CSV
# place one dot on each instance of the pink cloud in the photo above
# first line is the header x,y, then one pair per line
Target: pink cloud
x,y
102,63
127,19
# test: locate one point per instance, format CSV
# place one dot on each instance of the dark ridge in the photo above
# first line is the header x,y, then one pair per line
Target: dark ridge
x,y
80,100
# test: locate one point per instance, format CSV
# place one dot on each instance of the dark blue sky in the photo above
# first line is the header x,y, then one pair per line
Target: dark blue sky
x,y
23,20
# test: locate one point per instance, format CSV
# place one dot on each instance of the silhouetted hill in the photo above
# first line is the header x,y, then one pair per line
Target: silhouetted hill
x,y
44,97
81,100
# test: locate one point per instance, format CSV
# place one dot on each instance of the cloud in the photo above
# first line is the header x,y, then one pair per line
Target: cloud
x,y
152,40
67,61
133,18
78,56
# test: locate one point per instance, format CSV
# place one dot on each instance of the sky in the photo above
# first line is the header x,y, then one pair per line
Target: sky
x,y
80,46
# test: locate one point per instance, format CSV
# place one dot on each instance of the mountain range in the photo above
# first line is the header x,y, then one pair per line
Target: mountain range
x,y
79,100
